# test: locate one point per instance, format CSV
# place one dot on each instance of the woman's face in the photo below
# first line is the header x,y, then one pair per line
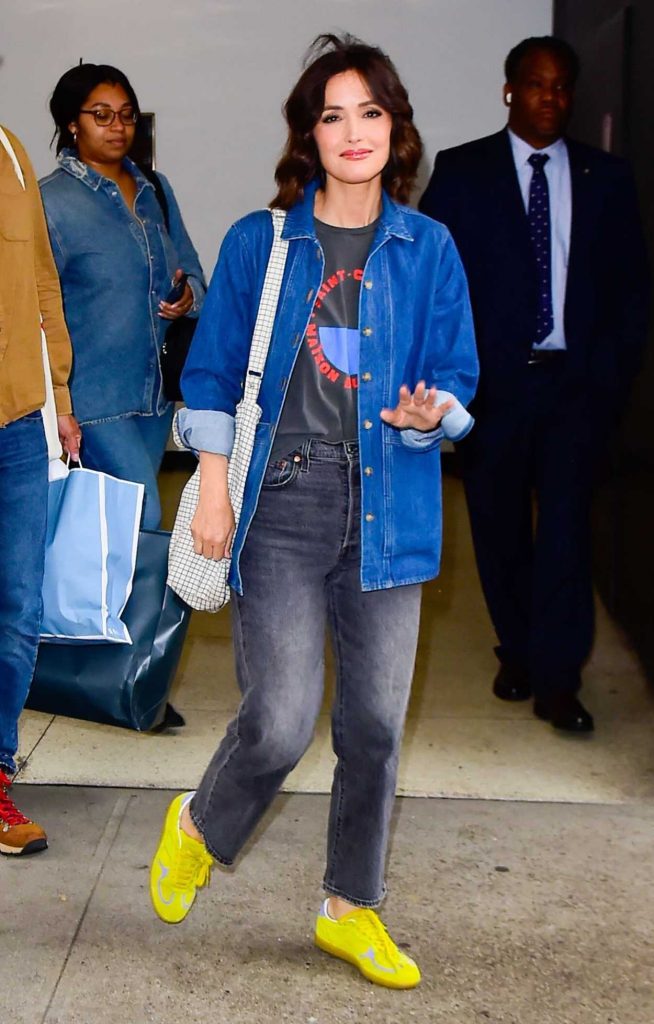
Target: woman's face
x,y
353,134
97,144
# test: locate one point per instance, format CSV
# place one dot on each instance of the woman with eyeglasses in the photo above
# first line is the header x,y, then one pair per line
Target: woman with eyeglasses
x,y
341,516
117,258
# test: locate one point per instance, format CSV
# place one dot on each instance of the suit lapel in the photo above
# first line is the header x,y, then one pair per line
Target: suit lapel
x,y
507,188
581,181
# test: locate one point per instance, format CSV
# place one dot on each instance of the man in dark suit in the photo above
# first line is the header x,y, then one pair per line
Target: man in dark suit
x,y
549,234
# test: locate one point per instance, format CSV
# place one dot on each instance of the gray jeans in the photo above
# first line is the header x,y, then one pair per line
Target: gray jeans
x,y
301,572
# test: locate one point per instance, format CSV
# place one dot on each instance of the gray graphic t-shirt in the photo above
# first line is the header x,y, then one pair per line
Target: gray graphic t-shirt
x,y
321,400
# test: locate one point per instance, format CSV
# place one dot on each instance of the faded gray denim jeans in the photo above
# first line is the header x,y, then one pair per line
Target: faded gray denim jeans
x,y
300,566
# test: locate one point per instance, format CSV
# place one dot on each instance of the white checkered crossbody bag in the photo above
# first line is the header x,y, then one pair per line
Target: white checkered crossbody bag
x,y
200,581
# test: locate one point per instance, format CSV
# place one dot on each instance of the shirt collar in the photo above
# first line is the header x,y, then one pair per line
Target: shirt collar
x,y
522,150
300,224
70,162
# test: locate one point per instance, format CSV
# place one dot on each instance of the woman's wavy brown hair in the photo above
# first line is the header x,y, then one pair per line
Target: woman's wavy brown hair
x,y
300,162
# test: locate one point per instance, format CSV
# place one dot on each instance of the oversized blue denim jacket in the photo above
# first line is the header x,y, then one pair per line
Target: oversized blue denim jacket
x,y
415,323
114,268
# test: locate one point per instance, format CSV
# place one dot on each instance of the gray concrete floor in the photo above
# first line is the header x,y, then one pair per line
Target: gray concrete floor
x,y
522,913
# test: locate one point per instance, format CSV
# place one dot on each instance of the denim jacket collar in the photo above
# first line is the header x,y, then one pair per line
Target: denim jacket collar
x,y
71,163
299,219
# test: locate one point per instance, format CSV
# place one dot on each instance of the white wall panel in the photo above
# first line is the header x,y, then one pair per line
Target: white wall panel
x,y
217,72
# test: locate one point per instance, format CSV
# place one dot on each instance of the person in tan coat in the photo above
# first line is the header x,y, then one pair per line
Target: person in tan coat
x,y
29,297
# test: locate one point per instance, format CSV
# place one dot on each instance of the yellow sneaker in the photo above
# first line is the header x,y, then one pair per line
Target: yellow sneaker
x,y
360,938
180,867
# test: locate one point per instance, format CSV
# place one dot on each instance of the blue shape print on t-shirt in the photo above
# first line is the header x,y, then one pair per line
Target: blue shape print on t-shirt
x,y
341,346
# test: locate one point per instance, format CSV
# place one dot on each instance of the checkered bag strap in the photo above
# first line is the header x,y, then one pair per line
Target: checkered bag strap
x,y
200,581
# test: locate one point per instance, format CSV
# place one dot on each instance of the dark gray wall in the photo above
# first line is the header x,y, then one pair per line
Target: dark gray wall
x,y
624,509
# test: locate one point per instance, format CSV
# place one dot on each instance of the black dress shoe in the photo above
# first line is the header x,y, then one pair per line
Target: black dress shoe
x,y
171,720
512,683
564,711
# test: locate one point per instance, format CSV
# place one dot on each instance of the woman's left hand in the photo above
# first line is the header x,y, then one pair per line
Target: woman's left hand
x,y
172,311
419,410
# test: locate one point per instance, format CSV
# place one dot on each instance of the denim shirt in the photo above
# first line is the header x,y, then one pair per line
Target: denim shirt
x,y
115,266
415,323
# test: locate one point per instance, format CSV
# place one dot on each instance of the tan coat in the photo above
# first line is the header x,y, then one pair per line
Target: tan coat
x,y
29,289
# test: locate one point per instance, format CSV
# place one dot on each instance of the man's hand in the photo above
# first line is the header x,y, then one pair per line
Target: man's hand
x,y
419,410
70,435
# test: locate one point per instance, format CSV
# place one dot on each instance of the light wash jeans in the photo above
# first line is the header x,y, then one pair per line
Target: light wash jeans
x,y
23,508
301,572
131,449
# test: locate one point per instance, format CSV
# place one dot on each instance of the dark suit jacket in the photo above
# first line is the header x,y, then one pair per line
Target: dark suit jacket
x,y
474,190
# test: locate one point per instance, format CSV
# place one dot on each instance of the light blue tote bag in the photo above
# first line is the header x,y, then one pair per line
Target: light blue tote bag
x,y
91,543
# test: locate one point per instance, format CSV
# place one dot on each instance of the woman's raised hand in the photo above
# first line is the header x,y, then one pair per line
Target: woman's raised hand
x,y
419,410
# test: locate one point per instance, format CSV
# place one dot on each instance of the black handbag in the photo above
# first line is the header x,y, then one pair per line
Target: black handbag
x,y
172,357
121,684
179,333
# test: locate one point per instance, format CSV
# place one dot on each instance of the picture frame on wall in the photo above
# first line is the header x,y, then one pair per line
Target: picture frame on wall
x,y
143,151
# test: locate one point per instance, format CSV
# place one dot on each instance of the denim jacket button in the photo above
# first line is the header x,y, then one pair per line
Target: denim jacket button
x,y
367,331
367,424
368,471
370,517
366,376
367,284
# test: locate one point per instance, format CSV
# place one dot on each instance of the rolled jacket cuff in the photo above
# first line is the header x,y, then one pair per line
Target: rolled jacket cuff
x,y
456,423
199,291
205,430
421,440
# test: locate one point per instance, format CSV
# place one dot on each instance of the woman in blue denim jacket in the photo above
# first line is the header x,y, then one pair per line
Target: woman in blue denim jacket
x,y
371,358
116,260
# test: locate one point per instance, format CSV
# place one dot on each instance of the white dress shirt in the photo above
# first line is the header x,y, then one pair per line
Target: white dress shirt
x,y
557,172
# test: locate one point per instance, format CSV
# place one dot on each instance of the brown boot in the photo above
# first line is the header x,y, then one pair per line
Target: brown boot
x,y
18,834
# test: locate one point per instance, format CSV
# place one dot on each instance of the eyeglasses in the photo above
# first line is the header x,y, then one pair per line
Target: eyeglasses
x,y
104,116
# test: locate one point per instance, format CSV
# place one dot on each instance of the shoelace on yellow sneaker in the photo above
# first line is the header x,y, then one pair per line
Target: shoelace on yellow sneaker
x,y
374,929
194,868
